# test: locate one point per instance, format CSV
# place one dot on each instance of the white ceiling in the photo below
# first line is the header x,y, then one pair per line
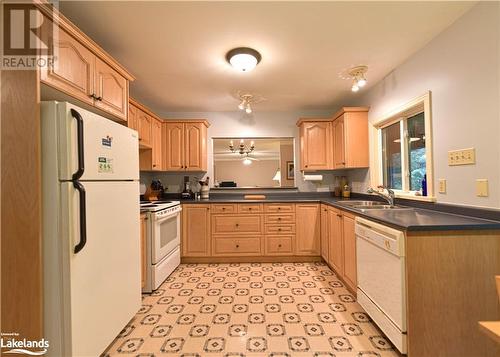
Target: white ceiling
x,y
177,49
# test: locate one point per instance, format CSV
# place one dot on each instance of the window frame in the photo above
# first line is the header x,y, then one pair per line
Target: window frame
x,y
402,113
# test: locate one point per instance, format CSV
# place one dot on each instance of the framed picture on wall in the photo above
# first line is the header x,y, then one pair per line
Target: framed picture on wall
x,y
290,172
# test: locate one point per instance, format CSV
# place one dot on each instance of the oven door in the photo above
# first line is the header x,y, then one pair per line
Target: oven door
x,y
166,236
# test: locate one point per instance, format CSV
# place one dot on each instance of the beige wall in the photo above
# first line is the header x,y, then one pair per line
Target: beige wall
x,y
258,174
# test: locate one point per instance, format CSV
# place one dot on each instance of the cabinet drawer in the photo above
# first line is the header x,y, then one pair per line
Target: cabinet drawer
x,y
277,245
223,208
236,246
279,207
280,229
280,218
250,208
251,224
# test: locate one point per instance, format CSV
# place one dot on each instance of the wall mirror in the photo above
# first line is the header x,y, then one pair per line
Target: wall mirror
x,y
253,162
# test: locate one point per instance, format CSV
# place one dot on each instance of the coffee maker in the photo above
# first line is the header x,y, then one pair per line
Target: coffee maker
x,y
187,193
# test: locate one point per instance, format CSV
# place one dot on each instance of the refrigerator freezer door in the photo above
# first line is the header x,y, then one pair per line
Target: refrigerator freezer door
x,y
105,276
110,150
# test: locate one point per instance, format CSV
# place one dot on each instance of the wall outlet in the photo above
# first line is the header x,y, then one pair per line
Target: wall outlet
x,y
442,186
462,157
482,188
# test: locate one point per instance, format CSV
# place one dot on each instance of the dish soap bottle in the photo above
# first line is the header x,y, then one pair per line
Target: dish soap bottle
x,y
424,185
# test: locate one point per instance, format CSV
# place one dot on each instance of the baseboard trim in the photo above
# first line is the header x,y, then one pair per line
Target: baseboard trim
x,y
280,259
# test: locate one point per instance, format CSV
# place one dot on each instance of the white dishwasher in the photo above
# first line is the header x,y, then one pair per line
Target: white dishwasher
x,y
380,256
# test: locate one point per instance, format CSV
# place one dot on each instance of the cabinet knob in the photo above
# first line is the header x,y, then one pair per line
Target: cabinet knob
x,y
279,218
92,96
154,165
237,224
99,98
306,166
250,208
223,208
339,215
279,245
279,208
237,245
279,229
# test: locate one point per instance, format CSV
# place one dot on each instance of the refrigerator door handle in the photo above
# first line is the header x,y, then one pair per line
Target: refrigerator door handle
x,y
83,217
79,131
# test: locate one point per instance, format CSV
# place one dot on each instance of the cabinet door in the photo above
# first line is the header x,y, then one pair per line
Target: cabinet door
x,y
195,143
73,72
111,89
174,146
336,248
195,230
144,122
349,251
308,228
316,150
144,229
132,118
324,232
156,145
339,143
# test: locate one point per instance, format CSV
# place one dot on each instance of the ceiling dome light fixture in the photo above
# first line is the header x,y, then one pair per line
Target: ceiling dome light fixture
x,y
243,59
358,76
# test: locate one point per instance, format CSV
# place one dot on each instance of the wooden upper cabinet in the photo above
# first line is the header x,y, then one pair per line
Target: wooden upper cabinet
x,y
315,145
174,146
308,226
350,138
111,90
196,230
144,122
73,72
185,145
195,142
132,118
350,275
335,240
156,145
82,69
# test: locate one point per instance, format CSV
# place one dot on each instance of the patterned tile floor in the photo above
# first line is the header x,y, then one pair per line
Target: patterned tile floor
x,y
251,309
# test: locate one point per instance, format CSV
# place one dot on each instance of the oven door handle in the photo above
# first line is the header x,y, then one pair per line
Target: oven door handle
x,y
164,218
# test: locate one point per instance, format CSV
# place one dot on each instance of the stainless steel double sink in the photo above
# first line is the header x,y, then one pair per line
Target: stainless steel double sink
x,y
372,205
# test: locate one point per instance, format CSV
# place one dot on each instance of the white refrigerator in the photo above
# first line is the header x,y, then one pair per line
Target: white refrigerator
x,y
91,245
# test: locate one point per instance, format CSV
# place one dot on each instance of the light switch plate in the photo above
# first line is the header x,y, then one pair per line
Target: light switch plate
x,y
482,188
442,186
462,157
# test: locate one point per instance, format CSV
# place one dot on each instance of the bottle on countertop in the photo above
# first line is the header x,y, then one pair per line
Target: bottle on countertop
x,y
424,185
346,191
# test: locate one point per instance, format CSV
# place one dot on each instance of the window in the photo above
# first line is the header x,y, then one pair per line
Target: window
x,y
404,149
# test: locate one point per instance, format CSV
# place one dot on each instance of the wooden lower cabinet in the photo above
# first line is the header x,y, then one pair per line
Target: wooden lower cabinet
x,y
144,232
307,239
338,232
324,232
349,236
196,230
251,229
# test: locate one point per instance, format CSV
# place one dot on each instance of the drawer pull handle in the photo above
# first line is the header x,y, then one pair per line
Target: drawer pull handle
x,y
279,208
279,229
223,208
339,215
250,208
279,218
237,224
279,245
237,245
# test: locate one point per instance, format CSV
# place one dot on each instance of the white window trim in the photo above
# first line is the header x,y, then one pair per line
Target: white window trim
x,y
406,110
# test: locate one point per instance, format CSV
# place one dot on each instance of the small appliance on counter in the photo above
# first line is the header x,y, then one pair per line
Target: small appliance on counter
x,y
187,193
205,189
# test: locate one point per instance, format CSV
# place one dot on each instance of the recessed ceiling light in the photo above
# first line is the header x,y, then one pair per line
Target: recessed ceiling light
x,y
243,58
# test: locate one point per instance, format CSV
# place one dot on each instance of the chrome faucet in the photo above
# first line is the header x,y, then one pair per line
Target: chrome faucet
x,y
389,197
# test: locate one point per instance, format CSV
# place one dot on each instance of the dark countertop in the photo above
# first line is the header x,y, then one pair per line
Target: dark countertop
x,y
415,219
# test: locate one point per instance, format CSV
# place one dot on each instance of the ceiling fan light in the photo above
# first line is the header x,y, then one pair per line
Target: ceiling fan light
x,y
248,109
361,82
241,106
247,161
243,59
355,87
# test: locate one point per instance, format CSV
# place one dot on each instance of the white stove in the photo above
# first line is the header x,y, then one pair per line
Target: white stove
x,y
162,242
